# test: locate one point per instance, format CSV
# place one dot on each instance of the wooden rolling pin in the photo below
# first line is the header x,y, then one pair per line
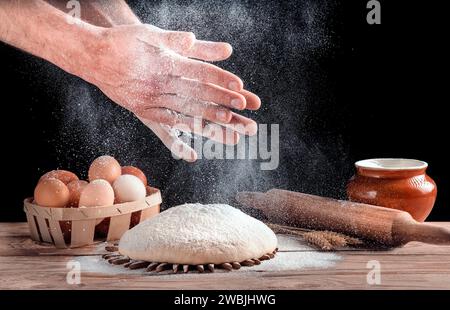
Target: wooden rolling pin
x,y
389,227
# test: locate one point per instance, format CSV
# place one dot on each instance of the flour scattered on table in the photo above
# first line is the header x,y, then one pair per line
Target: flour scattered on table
x,y
293,255
289,261
95,264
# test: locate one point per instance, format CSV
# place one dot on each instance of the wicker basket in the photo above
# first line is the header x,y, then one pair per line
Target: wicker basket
x,y
44,223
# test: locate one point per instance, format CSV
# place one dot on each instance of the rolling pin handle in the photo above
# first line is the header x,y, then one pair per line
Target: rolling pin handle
x,y
422,232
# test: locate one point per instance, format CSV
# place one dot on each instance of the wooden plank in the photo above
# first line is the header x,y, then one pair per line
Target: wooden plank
x,y
13,229
32,226
149,212
42,266
82,233
397,273
118,225
56,232
43,229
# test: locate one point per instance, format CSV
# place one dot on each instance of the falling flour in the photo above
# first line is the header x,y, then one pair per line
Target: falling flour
x,y
279,52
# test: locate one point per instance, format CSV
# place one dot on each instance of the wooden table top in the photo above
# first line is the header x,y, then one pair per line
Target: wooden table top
x,y
25,264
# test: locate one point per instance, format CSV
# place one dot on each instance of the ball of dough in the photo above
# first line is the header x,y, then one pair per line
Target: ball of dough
x,y
198,234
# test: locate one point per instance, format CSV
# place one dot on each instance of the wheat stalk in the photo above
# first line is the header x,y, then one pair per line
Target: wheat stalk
x,y
318,240
324,240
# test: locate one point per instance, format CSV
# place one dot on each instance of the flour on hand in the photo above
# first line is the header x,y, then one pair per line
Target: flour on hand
x,y
198,234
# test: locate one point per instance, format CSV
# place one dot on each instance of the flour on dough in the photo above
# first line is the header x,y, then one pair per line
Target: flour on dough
x,y
198,234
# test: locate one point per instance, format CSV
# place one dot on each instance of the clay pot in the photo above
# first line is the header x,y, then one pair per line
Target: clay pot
x,y
394,183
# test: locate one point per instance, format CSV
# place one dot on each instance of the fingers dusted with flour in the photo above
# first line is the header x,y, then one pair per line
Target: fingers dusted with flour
x,y
165,122
220,134
199,49
206,92
242,125
171,140
195,125
205,72
178,41
187,106
211,131
161,76
209,51
252,100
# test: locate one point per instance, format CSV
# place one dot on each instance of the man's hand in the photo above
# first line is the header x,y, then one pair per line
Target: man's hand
x,y
148,71
140,67
115,13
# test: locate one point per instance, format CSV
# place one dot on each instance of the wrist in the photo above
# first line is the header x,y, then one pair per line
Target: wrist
x,y
82,49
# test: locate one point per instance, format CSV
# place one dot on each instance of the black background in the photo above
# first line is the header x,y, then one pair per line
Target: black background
x,y
129,298
343,92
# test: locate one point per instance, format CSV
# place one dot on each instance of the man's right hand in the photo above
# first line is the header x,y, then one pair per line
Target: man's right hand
x,y
150,72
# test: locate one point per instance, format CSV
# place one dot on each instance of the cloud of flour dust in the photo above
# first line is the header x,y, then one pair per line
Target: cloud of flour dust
x,y
279,52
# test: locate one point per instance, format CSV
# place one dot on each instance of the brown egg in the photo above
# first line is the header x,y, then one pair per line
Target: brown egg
x,y
63,175
106,168
97,193
75,189
51,193
136,172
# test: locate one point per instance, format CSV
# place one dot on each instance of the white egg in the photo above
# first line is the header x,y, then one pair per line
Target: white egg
x,y
128,188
